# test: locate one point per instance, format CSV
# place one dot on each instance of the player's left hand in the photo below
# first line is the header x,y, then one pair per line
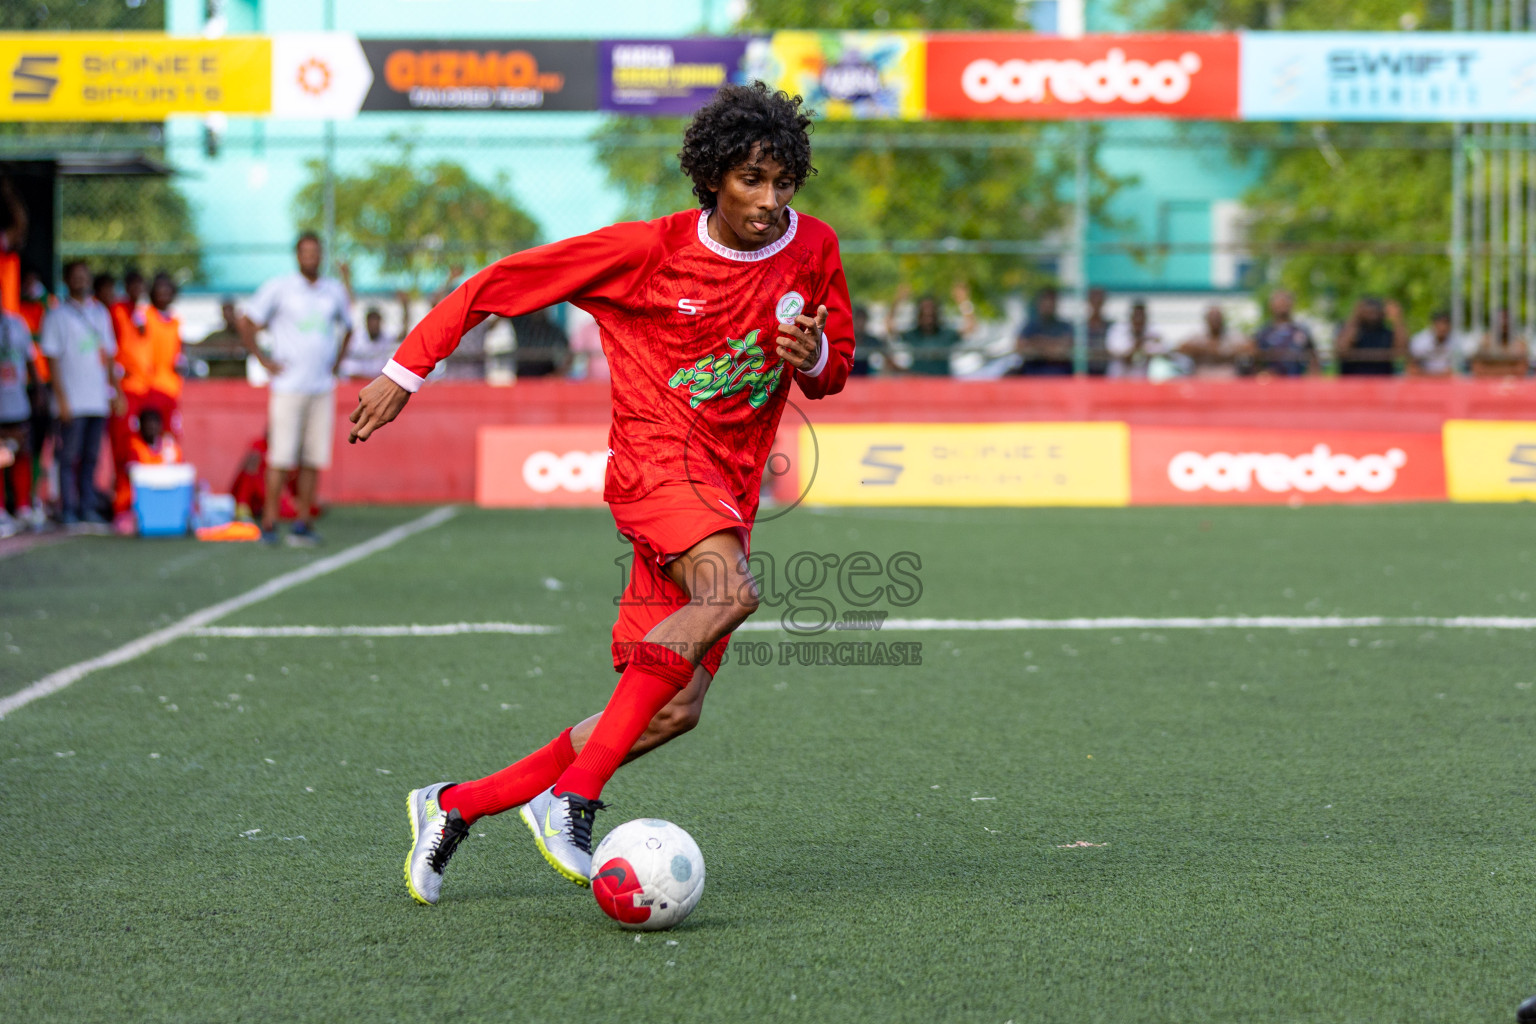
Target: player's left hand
x,y
800,342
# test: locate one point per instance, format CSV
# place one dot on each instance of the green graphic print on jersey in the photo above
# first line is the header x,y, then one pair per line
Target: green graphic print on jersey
x,y
740,369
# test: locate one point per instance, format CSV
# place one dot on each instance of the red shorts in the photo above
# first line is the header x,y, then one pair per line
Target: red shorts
x,y
663,525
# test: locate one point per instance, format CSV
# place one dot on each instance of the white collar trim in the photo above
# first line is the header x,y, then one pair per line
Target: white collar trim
x,y
754,255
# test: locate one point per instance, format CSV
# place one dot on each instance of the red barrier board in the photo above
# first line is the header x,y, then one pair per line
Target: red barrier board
x,y
1024,77
429,455
540,467
1174,466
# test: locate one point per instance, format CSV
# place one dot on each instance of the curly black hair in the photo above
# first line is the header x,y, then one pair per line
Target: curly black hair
x,y
724,132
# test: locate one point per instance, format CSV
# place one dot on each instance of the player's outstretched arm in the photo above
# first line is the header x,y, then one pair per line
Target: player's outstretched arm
x,y
380,401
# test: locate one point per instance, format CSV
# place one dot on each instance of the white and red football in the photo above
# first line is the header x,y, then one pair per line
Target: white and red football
x,y
647,874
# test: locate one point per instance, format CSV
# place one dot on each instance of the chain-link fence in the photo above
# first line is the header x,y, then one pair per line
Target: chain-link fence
x,y
979,217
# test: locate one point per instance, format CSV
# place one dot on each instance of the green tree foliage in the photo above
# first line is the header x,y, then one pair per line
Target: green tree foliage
x,y
1335,219
139,221
883,183
935,15
1345,209
82,15
417,219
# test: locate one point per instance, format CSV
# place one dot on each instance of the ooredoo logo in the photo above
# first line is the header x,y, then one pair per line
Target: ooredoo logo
x,y
575,471
1319,469
1106,80
1012,76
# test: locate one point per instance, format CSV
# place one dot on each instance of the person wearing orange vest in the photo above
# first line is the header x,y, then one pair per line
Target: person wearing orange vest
x,y
149,351
12,240
152,446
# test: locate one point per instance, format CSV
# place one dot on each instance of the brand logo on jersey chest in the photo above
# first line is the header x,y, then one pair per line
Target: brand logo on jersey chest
x,y
790,305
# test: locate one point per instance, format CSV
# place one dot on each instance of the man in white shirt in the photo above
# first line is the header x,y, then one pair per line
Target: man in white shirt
x,y
367,355
1133,343
1437,351
77,339
308,320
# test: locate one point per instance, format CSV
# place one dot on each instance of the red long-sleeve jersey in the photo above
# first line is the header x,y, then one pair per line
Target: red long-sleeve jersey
x,y
690,329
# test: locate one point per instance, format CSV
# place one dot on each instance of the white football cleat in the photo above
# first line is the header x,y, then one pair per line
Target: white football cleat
x,y
562,828
434,837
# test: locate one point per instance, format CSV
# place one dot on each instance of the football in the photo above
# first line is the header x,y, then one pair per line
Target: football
x,y
647,874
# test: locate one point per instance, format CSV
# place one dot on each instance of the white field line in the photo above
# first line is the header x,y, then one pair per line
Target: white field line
x,y
1217,622
446,629
922,626
159,638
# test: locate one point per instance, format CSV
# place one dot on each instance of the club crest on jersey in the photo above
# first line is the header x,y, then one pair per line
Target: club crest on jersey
x,y
740,369
791,304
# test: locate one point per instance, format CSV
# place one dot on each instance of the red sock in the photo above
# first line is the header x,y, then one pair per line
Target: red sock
x,y
655,675
513,785
21,479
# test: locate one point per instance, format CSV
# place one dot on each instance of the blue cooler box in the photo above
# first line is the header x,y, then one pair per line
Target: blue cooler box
x,y
162,498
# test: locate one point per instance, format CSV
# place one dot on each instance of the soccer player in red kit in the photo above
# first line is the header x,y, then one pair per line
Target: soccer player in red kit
x,y
705,317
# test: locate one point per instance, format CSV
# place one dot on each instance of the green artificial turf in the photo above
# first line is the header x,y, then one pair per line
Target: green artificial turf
x,y
1328,825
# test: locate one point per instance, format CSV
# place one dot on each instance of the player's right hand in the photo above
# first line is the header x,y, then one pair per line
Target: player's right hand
x,y
377,404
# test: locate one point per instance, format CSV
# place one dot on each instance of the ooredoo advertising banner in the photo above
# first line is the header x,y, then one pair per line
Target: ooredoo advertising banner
x,y
966,463
1027,77
539,467
1385,76
666,76
481,74
1183,466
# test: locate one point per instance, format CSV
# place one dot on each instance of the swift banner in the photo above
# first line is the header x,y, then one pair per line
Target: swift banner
x,y
1029,78
1387,76
967,463
845,76
131,76
1194,466
666,76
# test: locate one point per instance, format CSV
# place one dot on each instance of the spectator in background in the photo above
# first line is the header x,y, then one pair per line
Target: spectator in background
x,y
588,362
367,355
1373,340
15,424
12,240
1503,353
929,341
220,351
152,446
1436,351
104,291
1282,346
149,352
1045,342
35,304
35,300
1133,343
542,350
128,311
1217,352
77,341
309,320
1098,333
868,350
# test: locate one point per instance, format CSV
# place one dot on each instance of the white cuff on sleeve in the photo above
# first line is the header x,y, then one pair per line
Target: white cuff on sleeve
x,y
405,378
821,362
